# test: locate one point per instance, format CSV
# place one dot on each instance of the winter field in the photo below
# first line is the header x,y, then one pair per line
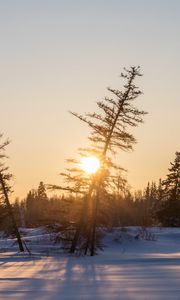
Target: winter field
x,y
129,268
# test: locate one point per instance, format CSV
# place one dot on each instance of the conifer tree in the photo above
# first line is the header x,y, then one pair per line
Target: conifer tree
x,y
5,190
172,182
109,134
41,192
169,210
37,203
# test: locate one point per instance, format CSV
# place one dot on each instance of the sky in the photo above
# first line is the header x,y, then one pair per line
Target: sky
x,y
61,55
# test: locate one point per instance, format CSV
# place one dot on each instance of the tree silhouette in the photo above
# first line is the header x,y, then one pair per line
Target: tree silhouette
x,y
169,208
5,190
109,134
172,182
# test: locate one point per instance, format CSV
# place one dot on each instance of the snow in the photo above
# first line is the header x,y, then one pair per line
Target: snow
x,y
128,269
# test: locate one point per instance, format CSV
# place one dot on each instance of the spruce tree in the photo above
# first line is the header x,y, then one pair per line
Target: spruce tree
x,y
172,182
169,210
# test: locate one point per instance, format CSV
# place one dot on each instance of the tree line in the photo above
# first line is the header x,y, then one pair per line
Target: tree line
x,y
157,205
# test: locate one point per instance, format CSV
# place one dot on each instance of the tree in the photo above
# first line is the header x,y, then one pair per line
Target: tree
x,y
5,190
172,182
31,208
41,192
169,210
109,134
149,202
42,203
37,206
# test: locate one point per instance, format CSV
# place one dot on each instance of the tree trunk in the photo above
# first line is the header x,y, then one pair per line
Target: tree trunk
x,y
11,214
80,226
94,223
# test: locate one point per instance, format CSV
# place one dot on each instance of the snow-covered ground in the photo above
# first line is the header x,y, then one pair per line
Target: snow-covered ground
x,y
128,268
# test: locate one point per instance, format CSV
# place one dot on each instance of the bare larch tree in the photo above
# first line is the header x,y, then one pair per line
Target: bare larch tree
x,y
109,134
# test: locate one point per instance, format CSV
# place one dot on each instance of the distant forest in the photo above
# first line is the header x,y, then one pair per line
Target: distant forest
x,y
157,205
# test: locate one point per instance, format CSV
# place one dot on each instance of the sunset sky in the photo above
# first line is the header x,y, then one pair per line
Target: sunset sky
x,y
60,55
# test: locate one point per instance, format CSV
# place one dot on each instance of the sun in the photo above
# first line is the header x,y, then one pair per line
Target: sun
x,y
90,164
